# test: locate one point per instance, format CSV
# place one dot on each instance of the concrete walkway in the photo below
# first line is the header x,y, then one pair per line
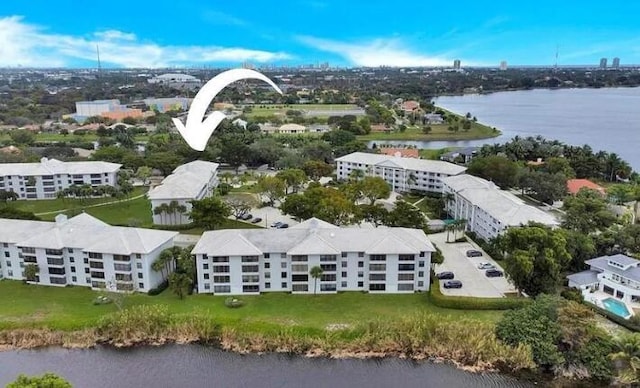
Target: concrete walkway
x,y
94,205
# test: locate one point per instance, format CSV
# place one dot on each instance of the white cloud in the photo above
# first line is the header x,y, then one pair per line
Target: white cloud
x,y
29,45
377,52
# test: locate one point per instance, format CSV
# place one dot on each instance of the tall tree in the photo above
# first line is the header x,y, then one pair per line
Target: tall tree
x,y
374,188
316,273
535,257
209,212
293,178
271,187
317,169
406,215
587,212
498,169
180,284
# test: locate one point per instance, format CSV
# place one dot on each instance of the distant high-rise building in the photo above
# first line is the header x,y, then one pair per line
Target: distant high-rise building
x,y
616,63
603,63
456,64
503,65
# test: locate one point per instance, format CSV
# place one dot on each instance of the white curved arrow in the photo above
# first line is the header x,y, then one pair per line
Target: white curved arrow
x,y
197,132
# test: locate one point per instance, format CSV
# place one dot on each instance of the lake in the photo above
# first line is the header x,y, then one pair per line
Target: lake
x,y
201,366
606,119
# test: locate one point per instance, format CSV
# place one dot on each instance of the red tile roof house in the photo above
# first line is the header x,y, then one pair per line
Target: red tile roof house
x,y
403,152
574,185
410,106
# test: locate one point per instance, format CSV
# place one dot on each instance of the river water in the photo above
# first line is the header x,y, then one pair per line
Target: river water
x,y
200,366
607,119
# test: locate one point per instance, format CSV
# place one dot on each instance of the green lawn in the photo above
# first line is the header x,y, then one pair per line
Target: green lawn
x,y
68,308
281,110
50,205
438,132
70,138
434,154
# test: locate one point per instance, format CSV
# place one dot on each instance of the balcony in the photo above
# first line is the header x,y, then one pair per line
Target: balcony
x,y
122,267
52,261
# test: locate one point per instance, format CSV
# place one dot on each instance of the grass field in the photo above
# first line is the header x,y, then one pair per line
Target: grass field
x,y
68,308
280,110
438,132
56,137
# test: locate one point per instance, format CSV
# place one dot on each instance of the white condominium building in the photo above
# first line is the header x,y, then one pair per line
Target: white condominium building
x,y
488,210
82,251
403,174
191,181
250,261
43,180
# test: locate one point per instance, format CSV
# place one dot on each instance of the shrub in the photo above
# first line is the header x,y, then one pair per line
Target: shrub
x,y
572,294
470,303
161,287
232,302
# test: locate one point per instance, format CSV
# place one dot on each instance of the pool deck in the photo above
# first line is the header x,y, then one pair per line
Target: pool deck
x,y
597,297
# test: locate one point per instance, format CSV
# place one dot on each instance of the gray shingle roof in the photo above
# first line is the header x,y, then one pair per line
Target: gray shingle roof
x,y
54,166
584,278
602,263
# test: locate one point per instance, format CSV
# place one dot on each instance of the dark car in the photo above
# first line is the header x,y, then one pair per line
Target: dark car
x,y
282,226
245,216
473,253
445,275
453,284
256,220
276,224
494,273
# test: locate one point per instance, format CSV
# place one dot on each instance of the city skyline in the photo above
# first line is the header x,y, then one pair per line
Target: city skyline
x,y
358,34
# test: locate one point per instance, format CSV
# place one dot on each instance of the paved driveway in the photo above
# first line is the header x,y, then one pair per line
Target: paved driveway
x,y
270,215
474,281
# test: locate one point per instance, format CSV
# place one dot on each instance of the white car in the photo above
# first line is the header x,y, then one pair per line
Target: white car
x,y
486,266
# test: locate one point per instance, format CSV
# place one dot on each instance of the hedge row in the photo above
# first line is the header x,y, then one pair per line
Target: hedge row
x,y
161,287
471,303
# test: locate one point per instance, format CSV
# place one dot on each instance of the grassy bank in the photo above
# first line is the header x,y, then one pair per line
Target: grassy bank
x,y
339,325
438,132
70,308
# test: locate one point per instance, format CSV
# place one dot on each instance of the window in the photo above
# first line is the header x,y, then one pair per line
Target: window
x,y
206,276
377,287
72,260
267,265
420,274
420,284
328,277
8,263
377,267
86,260
328,287
284,284
360,254
283,255
344,274
405,287
360,274
406,257
377,277
221,279
140,276
299,258
74,279
6,254
405,276
267,275
343,284
421,264
421,254
299,278
250,259
222,289
207,286
138,256
327,257
205,266
86,270
299,287
360,284
250,278
73,269
328,267
299,268
139,265
266,255
283,265
221,269
344,254
250,268
220,259
377,257
361,264
267,285
406,267
283,275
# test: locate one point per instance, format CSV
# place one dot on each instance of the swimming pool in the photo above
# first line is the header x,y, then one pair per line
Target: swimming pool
x,y
616,307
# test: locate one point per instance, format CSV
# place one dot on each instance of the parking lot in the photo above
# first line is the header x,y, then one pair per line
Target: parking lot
x,y
474,281
270,215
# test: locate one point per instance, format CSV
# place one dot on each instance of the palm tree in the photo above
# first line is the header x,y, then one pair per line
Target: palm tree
x,y
356,175
628,355
316,273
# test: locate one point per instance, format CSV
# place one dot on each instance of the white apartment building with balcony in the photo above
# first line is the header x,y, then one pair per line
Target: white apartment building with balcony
x,y
192,181
82,251
488,210
251,261
43,180
402,174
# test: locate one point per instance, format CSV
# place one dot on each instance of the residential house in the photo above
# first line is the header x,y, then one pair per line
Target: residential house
x,y
403,174
462,155
432,118
251,261
616,276
43,180
488,210
575,185
402,152
82,251
192,181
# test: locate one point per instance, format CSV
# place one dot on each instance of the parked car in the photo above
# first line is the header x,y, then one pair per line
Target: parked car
x,y
256,220
445,275
453,284
494,273
486,266
246,216
276,224
282,226
473,253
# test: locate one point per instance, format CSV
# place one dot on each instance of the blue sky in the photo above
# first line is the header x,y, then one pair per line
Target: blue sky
x,y
291,32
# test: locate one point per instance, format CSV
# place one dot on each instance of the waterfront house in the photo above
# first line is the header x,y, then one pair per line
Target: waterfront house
x,y
575,185
402,174
251,261
82,251
462,155
616,276
488,211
